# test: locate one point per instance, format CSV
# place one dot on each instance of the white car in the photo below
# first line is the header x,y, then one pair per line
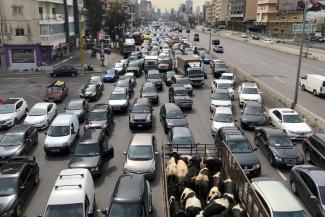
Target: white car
x,y
41,115
228,76
290,122
223,84
248,91
11,111
268,41
119,99
222,117
220,97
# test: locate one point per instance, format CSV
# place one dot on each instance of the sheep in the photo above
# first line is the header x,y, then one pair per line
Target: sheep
x,y
182,170
217,208
238,211
213,194
171,171
174,208
202,182
191,203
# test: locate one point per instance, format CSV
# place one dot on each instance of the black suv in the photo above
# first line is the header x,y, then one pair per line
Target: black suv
x,y
179,95
92,151
314,149
154,77
172,116
67,70
140,114
239,145
18,177
252,115
101,116
132,196
149,91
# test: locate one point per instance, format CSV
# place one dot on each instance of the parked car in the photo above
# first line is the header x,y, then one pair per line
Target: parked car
x,y
196,37
101,116
218,48
220,97
18,140
149,90
56,91
119,99
268,41
97,80
248,92
134,66
179,95
154,77
41,115
111,75
314,149
140,114
277,147
66,70
289,122
244,35
252,115
141,156
172,116
12,111
228,76
313,83
222,117
92,151
91,92
215,41
79,107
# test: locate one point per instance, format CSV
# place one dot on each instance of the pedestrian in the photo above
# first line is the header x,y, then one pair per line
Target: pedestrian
x,y
316,6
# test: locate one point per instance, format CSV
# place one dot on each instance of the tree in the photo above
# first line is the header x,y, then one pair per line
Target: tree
x,y
94,13
115,18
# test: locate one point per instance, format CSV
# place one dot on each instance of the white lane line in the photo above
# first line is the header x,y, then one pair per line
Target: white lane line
x,y
278,79
282,175
36,98
63,61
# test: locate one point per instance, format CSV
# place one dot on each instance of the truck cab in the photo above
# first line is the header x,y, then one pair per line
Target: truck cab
x,y
196,75
150,63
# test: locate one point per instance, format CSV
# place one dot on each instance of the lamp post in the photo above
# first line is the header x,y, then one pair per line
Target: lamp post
x,y
302,38
210,36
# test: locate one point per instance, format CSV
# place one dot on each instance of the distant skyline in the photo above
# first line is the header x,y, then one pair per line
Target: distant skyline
x,y
168,4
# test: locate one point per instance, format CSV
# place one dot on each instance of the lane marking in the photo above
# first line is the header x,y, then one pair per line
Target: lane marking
x,y
282,175
63,61
278,79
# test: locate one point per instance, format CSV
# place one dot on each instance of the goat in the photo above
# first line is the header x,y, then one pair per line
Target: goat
x,y
171,171
182,170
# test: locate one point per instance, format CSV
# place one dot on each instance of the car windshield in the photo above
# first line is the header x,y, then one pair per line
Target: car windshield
x,y
87,149
250,90
220,66
174,114
118,96
226,77
150,63
240,146
221,96
182,92
207,56
54,90
153,76
195,72
97,116
110,72
280,141
183,140
11,140
123,83
138,108
253,110
134,64
322,194
8,186
37,112
7,108
149,90
119,65
57,131
71,210
163,61
169,74
74,106
140,152
183,81
224,118
123,210
299,213
90,88
292,119
223,85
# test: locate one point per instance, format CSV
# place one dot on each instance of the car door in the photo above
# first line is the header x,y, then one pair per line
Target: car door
x,y
25,182
317,153
259,141
107,149
19,110
50,112
29,139
276,119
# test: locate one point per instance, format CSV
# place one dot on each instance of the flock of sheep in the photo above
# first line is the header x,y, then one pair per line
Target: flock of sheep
x,y
196,189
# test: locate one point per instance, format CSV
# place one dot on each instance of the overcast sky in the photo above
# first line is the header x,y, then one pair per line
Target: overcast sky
x,y
168,4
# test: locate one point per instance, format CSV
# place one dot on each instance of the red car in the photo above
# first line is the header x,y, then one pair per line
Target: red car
x,y
56,91
1,101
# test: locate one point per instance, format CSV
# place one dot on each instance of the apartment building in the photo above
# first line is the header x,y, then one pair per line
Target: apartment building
x,y
221,11
2,56
38,31
242,13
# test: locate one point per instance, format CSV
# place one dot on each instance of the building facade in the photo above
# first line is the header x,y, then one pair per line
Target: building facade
x,y
2,56
242,13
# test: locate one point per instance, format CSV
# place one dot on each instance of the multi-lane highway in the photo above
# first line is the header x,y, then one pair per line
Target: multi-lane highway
x,y
276,69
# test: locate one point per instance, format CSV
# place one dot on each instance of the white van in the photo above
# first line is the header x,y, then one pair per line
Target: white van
x,y
313,83
62,133
73,194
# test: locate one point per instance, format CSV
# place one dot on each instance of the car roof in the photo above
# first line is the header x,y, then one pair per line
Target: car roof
x,y
253,104
91,135
119,90
222,81
228,74
142,101
171,106
141,139
154,71
12,168
129,188
249,84
12,100
223,109
320,136
274,192
76,101
18,129
100,107
61,119
286,111
58,83
220,91
148,84
272,131
320,77
184,131
178,87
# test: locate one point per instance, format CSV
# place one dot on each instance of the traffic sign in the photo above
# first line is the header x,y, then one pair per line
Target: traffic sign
x,y
309,28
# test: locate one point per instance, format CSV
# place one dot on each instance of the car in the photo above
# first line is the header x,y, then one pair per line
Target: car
x,y
149,90
56,91
223,84
141,156
138,54
268,41
213,62
18,140
120,68
101,116
307,182
12,111
111,75
181,140
179,95
244,35
131,76
41,115
92,151
219,68
207,58
140,114
277,147
218,49
289,121
91,92
314,149
165,64
62,134
248,92
119,99
167,77
228,76
96,79
252,115
196,37
273,193
185,81
215,42
126,84
240,146
220,97
172,116
65,70
313,83
222,117
134,67
255,37
154,77
132,196
79,107
73,194
18,178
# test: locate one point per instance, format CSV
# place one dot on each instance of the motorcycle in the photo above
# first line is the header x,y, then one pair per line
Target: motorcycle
x,y
89,67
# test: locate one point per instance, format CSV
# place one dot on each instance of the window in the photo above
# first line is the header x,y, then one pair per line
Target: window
x,y
318,146
17,9
40,12
49,108
20,32
54,12
19,104
277,114
309,183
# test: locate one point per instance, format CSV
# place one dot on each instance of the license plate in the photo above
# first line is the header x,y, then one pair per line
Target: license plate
x,y
140,125
55,150
247,172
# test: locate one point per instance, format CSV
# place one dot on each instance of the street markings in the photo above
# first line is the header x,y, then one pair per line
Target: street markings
x,y
282,175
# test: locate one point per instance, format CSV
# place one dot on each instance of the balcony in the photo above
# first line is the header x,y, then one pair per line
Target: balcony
x,y
267,2
69,2
51,19
52,39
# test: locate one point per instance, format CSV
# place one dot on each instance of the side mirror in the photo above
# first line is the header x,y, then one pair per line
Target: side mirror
x,y
73,132
39,216
65,109
124,153
156,153
235,120
241,110
211,119
264,113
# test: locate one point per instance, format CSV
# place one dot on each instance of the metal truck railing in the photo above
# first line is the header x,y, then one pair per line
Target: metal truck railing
x,y
230,169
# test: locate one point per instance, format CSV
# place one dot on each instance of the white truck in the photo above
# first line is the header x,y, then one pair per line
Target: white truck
x,y
190,66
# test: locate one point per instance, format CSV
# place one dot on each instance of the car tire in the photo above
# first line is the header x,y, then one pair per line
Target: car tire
x,y
315,93
18,210
303,87
15,122
308,156
293,187
271,160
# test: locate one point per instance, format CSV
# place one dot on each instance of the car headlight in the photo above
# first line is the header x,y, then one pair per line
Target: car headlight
x,y
290,131
243,119
277,158
256,166
300,158
65,144
309,132
9,213
94,169
93,94
148,118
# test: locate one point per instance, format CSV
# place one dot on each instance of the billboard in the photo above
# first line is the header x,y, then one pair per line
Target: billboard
x,y
291,5
316,8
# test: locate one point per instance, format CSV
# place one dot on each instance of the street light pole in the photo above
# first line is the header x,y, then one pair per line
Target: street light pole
x,y
210,37
294,103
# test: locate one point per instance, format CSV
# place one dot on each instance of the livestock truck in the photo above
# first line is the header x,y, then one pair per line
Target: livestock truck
x,y
190,66
229,169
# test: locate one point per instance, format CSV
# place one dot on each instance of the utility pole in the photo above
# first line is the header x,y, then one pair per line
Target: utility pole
x,y
81,41
210,37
